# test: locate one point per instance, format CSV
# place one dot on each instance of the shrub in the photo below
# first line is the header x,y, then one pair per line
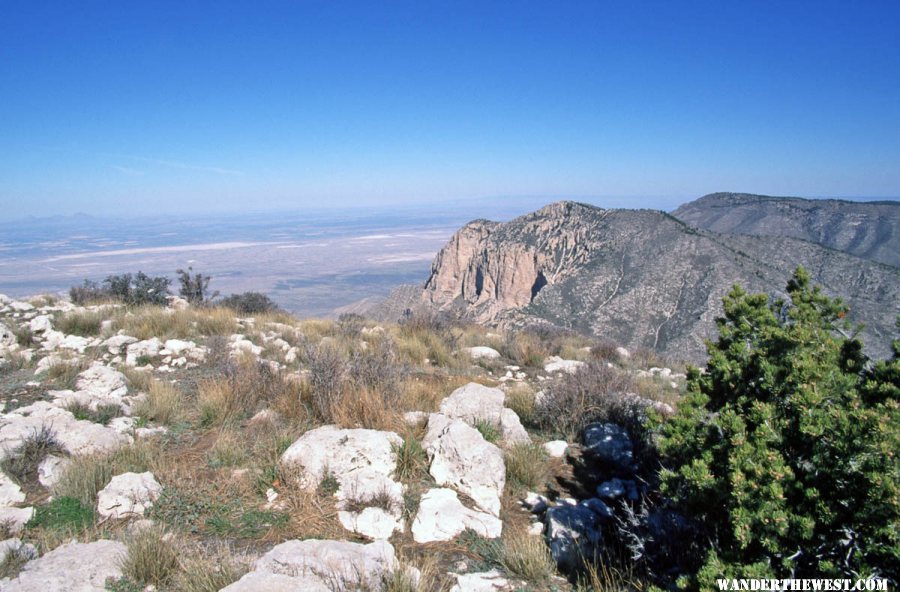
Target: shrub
x,y
785,449
89,292
138,289
326,378
592,393
194,286
350,324
249,303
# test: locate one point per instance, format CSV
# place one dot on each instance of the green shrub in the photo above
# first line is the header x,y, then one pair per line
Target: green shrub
x,y
488,430
194,286
785,449
249,303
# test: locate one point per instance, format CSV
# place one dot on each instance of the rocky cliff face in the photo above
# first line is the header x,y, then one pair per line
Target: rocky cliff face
x,y
640,278
865,229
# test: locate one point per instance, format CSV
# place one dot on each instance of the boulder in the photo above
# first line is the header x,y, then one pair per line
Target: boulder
x,y
148,348
615,488
75,436
128,495
333,566
16,518
487,581
115,343
461,458
441,517
96,386
482,353
377,502
475,403
572,532
10,492
7,337
340,452
51,469
556,448
555,364
84,567
40,324
609,443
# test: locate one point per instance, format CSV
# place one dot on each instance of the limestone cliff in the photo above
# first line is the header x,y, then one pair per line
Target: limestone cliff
x,y
638,277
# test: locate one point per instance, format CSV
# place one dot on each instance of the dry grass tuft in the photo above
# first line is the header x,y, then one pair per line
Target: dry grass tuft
x,y
151,559
163,403
527,556
527,466
85,322
210,570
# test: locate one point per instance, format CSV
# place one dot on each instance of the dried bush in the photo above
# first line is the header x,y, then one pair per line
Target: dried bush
x,y
595,392
326,378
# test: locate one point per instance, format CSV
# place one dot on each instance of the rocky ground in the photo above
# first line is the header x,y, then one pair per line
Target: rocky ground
x,y
184,448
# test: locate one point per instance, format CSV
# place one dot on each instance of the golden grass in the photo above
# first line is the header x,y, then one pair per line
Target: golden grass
x,y
526,466
146,322
208,570
520,398
163,403
84,322
527,556
365,408
151,557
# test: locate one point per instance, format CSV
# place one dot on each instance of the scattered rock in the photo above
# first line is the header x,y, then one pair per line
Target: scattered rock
x,y
16,518
74,435
84,567
51,470
319,565
7,337
10,492
556,448
572,532
128,495
115,343
488,581
462,458
609,443
555,364
482,353
475,403
441,517
149,348
40,324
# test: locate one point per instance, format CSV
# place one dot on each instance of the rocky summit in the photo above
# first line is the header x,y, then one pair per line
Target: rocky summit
x,y
642,278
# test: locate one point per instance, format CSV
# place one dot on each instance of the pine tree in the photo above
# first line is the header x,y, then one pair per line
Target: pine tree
x,y
785,448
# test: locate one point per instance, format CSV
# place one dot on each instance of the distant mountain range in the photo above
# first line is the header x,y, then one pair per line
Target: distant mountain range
x,y
644,278
866,229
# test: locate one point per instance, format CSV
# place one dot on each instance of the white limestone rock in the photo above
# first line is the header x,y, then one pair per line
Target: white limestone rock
x,y
76,436
555,364
340,452
333,566
461,458
16,518
148,348
115,343
482,352
51,469
40,324
10,492
96,386
128,495
488,581
556,448
378,519
475,403
84,567
441,517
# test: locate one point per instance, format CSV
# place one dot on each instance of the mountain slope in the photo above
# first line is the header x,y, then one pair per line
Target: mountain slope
x,y
865,229
640,278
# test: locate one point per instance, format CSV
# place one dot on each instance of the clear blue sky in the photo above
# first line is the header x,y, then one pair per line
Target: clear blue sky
x,y
128,107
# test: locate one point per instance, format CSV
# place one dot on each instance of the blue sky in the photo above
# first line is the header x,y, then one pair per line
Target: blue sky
x,y
135,107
